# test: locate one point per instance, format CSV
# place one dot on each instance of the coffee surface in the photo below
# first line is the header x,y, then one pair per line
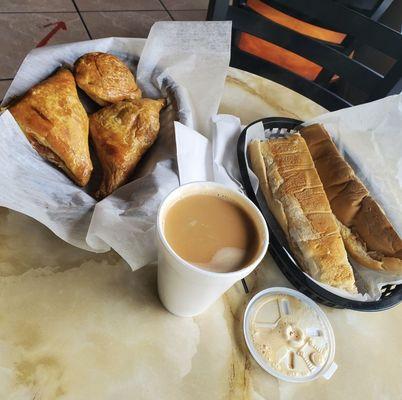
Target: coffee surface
x,y
211,232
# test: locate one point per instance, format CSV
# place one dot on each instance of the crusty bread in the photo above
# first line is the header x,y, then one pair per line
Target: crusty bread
x,y
367,233
296,198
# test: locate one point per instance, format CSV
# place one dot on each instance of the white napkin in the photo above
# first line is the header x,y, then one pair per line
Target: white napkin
x,y
179,61
195,55
213,160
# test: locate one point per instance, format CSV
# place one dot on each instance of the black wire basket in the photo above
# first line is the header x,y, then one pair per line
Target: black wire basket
x,y
278,247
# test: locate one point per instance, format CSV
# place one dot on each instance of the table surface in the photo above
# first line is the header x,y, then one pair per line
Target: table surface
x,y
78,325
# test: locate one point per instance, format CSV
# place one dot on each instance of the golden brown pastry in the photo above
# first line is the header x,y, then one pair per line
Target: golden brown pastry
x,y
297,200
368,235
105,78
56,124
121,134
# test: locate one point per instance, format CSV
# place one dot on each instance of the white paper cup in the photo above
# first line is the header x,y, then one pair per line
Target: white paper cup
x,y
184,289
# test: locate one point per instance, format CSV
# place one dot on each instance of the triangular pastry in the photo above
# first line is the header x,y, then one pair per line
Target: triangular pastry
x,y
56,124
105,78
121,134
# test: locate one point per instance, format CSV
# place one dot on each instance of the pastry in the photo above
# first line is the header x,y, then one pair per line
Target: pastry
x,y
297,200
54,121
105,78
121,134
368,234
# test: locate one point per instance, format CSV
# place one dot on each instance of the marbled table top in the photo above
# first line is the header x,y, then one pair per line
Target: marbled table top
x,y
77,325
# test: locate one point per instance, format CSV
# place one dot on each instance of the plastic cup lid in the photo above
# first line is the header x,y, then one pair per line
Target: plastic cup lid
x,y
289,335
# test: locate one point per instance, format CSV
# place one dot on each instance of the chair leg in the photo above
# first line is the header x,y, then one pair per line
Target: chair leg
x,y
217,10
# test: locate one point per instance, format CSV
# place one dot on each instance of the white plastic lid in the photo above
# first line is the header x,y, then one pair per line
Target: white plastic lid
x,y
289,335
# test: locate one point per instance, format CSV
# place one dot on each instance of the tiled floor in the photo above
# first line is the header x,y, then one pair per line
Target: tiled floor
x,y
26,23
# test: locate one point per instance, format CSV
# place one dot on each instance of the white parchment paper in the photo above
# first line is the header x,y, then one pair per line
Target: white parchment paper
x,y
222,166
195,55
35,188
178,63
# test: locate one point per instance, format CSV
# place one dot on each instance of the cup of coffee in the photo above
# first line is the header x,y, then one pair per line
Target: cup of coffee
x,y
209,237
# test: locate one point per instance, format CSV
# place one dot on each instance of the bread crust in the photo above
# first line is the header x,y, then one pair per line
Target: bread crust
x,y
367,233
296,198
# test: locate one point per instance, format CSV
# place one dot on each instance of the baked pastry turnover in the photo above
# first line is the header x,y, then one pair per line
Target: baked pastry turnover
x,y
121,134
296,197
56,124
105,78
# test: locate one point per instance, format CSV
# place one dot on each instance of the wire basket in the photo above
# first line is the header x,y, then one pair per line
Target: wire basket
x,y
278,247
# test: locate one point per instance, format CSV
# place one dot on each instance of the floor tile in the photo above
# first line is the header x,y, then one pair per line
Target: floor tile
x,y
186,4
3,88
189,15
19,33
36,5
124,24
116,5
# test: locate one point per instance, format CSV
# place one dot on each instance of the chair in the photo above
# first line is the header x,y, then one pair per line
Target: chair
x,y
333,59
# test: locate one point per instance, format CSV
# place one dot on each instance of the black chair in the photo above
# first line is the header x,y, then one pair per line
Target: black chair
x,y
360,29
374,9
